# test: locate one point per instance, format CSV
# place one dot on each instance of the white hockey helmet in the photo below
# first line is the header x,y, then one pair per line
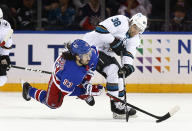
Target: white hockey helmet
x,y
140,21
1,14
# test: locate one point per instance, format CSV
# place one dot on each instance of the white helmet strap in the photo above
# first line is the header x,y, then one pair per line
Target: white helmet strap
x,y
139,20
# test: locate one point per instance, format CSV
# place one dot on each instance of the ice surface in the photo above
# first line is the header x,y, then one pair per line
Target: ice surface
x,y
16,114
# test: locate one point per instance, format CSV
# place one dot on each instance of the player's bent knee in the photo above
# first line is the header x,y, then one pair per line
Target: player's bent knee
x,y
53,105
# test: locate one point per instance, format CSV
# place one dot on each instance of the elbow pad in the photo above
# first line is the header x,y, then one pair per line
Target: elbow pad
x,y
117,46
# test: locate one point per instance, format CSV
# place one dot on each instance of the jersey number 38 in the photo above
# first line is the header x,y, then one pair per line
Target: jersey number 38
x,y
116,22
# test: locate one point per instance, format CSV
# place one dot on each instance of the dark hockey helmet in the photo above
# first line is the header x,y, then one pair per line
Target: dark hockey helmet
x,y
79,47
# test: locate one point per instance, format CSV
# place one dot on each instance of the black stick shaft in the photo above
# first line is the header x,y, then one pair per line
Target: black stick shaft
x,y
125,96
138,109
29,69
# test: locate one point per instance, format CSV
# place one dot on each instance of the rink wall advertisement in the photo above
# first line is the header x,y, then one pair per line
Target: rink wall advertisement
x,y
163,62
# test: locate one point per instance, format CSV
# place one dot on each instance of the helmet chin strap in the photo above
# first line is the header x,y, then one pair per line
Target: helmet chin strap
x,y
80,61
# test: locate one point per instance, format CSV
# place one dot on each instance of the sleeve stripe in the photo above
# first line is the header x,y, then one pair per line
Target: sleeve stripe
x,y
101,29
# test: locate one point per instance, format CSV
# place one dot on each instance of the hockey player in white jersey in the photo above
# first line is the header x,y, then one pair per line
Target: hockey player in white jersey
x,y
112,36
5,48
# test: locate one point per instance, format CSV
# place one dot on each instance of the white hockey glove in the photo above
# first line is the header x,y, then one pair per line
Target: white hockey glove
x,y
92,90
88,88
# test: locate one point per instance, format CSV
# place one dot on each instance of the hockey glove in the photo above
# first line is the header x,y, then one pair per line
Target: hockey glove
x,y
127,69
117,46
4,64
93,90
88,88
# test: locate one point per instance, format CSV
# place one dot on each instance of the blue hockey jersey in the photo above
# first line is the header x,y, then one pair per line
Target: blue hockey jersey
x,y
67,75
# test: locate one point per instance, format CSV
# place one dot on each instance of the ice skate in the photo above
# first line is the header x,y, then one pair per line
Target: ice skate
x,y
90,100
118,110
26,86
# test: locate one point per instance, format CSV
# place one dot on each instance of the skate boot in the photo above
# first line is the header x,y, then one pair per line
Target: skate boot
x,y
88,99
118,110
26,86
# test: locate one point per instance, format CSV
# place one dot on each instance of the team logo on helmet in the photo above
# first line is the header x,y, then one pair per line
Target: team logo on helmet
x,y
75,45
80,47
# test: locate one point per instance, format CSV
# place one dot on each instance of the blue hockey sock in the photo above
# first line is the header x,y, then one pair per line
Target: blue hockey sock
x,y
37,94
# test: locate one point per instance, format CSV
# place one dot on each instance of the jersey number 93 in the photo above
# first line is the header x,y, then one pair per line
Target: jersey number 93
x,y
67,83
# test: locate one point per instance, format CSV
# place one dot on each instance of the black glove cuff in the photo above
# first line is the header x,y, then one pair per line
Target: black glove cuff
x,y
6,57
128,69
116,43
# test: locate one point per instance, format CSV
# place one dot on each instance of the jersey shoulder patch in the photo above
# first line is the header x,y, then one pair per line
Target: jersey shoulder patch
x,y
101,29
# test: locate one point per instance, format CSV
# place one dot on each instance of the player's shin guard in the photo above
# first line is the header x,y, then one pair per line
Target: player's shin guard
x,y
39,95
122,95
113,89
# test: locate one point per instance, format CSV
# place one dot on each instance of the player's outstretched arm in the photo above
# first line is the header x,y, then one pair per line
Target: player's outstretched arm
x,y
92,90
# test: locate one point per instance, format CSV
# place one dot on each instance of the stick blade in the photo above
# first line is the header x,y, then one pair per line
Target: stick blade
x,y
174,110
169,114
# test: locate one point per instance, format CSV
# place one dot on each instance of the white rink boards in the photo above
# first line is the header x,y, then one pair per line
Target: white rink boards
x,y
162,63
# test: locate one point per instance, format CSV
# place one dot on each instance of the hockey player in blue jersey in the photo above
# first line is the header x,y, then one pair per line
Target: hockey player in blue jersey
x,y
72,72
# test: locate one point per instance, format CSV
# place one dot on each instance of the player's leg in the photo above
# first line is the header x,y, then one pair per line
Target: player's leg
x,y
113,88
29,91
121,96
116,88
53,97
108,67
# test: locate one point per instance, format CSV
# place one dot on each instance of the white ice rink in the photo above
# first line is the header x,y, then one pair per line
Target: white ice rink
x,y
16,114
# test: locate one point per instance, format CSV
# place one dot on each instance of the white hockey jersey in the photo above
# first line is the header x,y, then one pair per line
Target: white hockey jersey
x,y
111,28
4,29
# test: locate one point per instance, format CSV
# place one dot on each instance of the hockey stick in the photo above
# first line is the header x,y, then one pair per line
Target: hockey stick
x,y
159,118
125,96
7,37
29,69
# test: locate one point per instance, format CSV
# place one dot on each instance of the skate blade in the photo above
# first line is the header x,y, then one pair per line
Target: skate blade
x,y
123,116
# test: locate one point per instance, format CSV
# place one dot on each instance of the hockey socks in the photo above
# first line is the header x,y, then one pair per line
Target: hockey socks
x,y
39,95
